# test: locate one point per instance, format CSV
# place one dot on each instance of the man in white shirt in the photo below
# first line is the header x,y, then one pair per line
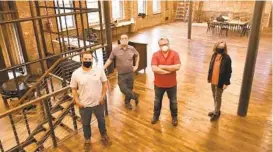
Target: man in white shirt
x,y
89,86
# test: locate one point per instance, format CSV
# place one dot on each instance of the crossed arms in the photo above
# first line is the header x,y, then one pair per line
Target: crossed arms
x,y
165,69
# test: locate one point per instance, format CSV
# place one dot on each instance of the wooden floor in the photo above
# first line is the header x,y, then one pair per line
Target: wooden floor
x,y
132,131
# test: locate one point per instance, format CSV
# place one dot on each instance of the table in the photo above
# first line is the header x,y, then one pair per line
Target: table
x,y
232,22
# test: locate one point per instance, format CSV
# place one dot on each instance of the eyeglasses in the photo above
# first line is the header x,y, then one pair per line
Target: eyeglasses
x,y
163,44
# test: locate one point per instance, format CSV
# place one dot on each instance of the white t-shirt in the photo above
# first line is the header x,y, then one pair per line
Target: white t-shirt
x,y
89,85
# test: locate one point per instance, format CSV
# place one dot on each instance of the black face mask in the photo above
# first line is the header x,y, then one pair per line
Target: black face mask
x,y
87,64
220,50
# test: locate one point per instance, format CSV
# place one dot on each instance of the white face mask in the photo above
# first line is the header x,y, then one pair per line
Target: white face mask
x,y
124,42
165,48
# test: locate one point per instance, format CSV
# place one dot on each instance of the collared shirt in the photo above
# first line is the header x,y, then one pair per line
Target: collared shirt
x,y
165,80
124,58
89,85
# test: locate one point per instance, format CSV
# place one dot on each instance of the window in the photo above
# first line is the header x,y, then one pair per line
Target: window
x,y
156,6
93,17
117,9
64,21
142,6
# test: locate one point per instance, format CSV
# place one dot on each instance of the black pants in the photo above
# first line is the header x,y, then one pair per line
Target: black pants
x,y
86,114
126,85
172,95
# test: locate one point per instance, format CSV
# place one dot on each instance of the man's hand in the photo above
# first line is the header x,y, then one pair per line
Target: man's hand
x,y
160,66
135,68
79,105
166,72
171,68
225,87
102,100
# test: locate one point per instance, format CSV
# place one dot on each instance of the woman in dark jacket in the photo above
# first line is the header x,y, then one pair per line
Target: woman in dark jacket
x,y
219,76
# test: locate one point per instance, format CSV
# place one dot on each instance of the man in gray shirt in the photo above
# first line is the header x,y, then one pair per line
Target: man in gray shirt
x,y
124,55
89,90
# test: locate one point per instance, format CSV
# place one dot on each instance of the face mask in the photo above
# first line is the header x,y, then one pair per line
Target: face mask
x,y
87,64
124,42
165,48
220,50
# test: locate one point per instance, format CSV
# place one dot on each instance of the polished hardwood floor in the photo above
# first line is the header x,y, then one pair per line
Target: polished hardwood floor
x,y
132,130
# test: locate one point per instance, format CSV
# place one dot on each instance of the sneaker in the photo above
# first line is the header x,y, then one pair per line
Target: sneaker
x,y
106,140
175,121
128,106
215,117
210,114
154,120
87,146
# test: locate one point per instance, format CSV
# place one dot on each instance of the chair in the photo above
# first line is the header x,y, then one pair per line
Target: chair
x,y
245,29
224,27
211,26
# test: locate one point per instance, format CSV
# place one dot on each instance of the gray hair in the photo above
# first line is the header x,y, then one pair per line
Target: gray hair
x,y
123,35
163,39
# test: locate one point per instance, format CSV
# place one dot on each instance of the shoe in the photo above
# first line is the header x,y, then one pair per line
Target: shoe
x,y
106,140
128,106
210,114
154,120
87,146
174,122
136,98
215,117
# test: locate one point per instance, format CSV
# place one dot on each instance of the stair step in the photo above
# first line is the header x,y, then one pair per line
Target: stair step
x,y
57,114
31,147
66,104
61,133
39,136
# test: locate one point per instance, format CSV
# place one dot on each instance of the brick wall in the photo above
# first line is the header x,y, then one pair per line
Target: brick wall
x,y
235,9
151,19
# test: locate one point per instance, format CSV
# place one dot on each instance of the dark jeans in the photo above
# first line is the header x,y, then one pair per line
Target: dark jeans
x,y
172,95
86,114
126,85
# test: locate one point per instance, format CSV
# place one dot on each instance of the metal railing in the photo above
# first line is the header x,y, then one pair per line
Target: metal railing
x,y
36,128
